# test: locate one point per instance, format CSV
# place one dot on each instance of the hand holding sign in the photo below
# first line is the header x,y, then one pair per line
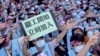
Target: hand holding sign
x,y
39,25
26,39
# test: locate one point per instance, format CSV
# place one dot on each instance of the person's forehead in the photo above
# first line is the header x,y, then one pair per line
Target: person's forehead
x,y
37,39
77,30
77,43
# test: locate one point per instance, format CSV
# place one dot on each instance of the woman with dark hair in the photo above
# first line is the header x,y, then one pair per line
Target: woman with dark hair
x,y
91,42
78,32
79,38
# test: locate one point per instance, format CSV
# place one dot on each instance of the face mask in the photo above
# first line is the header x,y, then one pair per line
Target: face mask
x,y
78,10
84,1
27,6
13,13
90,34
32,8
79,48
98,19
22,16
95,5
81,14
74,14
91,7
93,23
40,43
84,6
66,0
96,31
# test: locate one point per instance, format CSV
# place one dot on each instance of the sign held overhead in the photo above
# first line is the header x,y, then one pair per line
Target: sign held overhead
x,y
39,25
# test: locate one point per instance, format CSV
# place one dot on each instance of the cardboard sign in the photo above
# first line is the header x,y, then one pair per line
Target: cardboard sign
x,y
39,25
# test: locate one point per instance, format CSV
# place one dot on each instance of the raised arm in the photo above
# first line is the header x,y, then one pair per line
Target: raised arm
x,y
17,15
66,27
88,15
82,20
92,27
98,15
13,27
24,47
3,25
91,42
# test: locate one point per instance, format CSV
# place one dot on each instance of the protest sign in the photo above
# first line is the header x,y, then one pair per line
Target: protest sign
x,y
39,25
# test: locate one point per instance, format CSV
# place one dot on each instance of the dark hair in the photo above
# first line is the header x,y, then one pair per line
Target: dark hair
x,y
40,2
17,1
78,37
90,18
50,34
66,12
61,52
76,29
20,18
31,44
57,8
87,8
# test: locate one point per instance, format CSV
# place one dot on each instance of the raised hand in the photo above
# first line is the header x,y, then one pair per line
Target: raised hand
x,y
2,25
91,14
26,39
94,39
70,24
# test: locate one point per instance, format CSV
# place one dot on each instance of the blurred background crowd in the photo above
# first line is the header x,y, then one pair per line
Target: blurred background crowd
x,y
78,20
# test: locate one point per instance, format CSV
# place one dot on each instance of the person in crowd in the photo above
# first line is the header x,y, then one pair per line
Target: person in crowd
x,y
86,14
91,42
42,48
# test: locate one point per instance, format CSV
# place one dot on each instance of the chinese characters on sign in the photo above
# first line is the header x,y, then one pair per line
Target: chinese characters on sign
x,y
39,25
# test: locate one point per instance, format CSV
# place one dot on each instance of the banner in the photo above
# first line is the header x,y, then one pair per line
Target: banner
x,y
39,25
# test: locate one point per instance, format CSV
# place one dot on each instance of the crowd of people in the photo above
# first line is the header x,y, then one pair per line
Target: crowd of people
x,y
78,33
